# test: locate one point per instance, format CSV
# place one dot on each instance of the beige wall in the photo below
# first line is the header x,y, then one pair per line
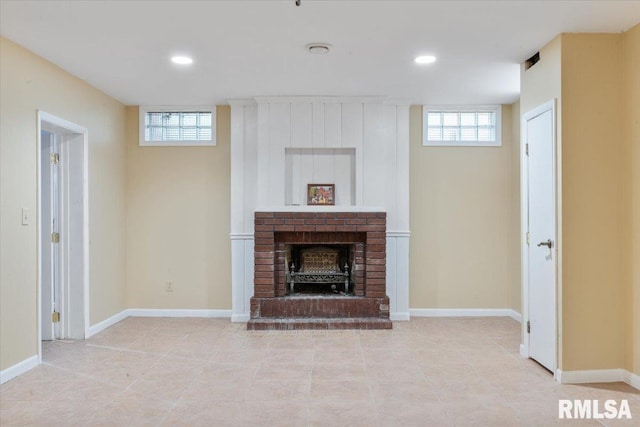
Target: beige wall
x,y
178,201
631,94
461,211
594,77
539,84
29,83
595,208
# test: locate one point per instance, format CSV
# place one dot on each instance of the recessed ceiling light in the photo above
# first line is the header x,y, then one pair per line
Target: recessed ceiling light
x,y
319,48
182,60
425,59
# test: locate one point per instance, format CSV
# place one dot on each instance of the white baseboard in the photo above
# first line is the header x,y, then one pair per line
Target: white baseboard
x,y
523,351
153,312
598,376
465,312
633,380
101,326
240,318
19,368
400,316
515,315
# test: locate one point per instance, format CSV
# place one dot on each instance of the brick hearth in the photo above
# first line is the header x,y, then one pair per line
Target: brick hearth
x,y
367,308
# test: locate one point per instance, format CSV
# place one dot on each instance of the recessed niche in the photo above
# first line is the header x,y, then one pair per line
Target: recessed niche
x,y
320,166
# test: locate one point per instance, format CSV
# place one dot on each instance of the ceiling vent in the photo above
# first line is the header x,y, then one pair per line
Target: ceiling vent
x,y
531,61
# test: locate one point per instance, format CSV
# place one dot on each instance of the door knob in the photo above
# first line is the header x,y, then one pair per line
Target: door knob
x,y
548,243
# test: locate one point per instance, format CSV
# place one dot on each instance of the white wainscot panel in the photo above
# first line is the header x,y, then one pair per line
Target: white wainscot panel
x,y
242,247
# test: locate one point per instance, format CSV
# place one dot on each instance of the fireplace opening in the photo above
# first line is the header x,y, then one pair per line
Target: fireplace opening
x,y
324,269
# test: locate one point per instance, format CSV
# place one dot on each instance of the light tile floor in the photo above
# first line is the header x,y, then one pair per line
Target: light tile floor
x,y
210,372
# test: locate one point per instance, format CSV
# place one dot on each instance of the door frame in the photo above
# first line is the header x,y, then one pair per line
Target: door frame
x,y
524,202
59,126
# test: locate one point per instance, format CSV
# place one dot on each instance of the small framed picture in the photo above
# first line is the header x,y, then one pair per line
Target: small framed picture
x,y
321,194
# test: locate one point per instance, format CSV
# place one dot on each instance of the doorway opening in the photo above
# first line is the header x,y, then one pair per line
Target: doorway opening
x,y
63,232
540,225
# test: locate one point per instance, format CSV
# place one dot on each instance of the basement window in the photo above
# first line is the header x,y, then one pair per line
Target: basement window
x,y
170,126
462,126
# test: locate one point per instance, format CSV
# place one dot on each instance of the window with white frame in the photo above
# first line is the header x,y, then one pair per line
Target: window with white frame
x,y
463,126
184,126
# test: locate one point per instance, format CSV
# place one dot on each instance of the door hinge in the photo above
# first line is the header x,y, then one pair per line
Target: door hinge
x,y
526,147
55,158
527,238
55,317
55,237
528,326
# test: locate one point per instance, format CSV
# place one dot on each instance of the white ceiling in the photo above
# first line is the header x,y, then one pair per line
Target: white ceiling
x,y
257,48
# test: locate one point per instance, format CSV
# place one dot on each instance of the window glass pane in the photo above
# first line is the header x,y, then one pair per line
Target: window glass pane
x,y
433,119
434,134
468,134
450,119
450,134
155,134
189,119
485,118
467,119
172,134
172,119
205,119
204,134
190,134
154,119
486,134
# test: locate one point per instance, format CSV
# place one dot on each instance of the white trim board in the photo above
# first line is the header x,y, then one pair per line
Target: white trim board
x,y
101,326
153,312
466,312
19,368
599,376
400,316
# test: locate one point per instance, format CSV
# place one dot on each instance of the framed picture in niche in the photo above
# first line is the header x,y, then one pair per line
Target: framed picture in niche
x,y
321,194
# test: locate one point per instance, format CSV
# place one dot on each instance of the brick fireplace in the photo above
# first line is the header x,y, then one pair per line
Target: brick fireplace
x,y
364,306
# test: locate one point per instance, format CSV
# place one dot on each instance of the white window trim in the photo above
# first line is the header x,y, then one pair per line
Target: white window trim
x,y
147,108
462,108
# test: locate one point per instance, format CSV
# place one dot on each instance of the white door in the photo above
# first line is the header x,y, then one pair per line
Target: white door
x,y
539,134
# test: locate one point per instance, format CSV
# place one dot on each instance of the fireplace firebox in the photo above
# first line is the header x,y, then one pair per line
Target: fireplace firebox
x,y
320,270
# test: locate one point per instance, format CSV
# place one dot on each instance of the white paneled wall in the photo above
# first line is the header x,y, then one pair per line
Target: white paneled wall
x,y
320,166
281,144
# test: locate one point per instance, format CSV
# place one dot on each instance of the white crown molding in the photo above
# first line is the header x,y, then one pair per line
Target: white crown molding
x,y
321,99
241,102
19,368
